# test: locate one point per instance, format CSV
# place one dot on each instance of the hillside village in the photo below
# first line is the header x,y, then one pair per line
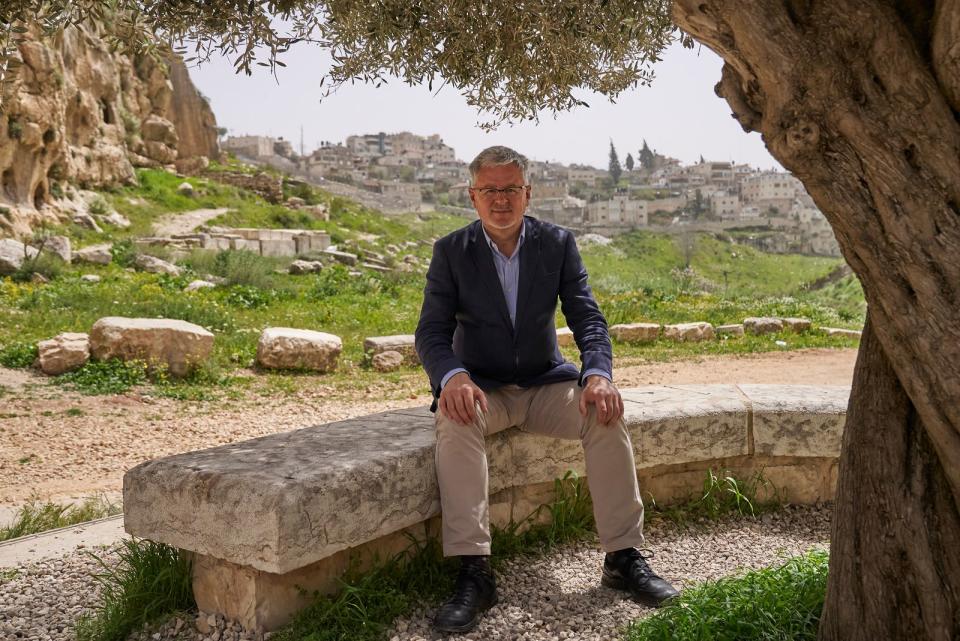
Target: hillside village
x,y
406,172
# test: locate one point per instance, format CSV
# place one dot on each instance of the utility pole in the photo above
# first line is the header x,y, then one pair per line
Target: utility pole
x,y
301,141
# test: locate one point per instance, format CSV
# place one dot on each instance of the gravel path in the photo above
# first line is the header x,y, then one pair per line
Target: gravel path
x,y
554,597
186,222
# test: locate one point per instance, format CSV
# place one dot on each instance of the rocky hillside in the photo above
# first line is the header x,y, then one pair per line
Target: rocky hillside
x,y
79,114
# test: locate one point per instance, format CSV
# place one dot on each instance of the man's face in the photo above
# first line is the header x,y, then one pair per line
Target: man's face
x,y
500,212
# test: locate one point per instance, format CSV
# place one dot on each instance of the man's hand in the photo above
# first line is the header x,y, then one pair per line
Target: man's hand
x,y
602,393
459,397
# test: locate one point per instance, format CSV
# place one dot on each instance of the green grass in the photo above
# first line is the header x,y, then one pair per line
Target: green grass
x,y
723,494
36,516
639,277
149,581
369,601
783,603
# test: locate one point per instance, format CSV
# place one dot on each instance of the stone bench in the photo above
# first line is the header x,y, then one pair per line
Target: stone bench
x,y
269,516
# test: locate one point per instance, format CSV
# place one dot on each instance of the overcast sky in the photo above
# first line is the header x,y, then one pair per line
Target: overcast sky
x,y
679,115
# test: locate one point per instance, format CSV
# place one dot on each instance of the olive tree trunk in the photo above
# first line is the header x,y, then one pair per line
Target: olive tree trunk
x,y
860,101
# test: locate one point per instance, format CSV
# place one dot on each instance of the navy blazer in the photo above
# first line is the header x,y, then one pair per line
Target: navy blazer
x,y
464,320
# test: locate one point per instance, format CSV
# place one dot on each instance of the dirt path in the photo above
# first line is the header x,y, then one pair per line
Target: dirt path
x,y
186,222
55,444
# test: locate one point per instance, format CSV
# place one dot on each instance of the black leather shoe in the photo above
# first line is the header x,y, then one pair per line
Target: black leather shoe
x,y
474,594
628,570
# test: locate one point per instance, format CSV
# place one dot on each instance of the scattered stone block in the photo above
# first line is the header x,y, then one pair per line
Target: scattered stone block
x,y
688,332
729,330
388,361
797,325
117,220
377,268
198,284
759,325
341,257
565,337
86,220
12,254
63,352
95,254
403,343
217,243
175,343
288,348
90,278
278,247
311,241
294,202
38,278
836,331
185,189
245,243
155,265
58,246
299,267
635,332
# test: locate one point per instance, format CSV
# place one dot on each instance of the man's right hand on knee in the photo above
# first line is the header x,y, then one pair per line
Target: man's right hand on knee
x,y
460,397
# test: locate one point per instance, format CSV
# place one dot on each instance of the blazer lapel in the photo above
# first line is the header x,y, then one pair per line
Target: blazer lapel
x,y
529,266
483,260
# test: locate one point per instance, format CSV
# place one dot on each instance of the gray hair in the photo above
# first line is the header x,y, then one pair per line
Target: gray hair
x,y
496,156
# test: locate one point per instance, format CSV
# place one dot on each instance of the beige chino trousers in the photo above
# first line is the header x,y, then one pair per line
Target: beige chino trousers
x,y
551,410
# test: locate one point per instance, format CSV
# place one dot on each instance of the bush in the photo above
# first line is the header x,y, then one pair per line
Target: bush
x,y
105,377
98,206
150,581
18,355
237,267
124,252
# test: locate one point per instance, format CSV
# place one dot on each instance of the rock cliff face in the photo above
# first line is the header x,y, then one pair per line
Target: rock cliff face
x,y
79,113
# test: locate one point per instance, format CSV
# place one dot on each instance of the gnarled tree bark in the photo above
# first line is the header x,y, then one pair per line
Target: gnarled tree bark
x,y
859,99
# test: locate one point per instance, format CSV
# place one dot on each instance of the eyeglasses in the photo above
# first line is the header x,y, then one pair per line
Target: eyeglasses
x,y
490,193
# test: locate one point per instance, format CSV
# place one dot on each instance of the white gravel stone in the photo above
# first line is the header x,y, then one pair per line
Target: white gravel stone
x,y
557,596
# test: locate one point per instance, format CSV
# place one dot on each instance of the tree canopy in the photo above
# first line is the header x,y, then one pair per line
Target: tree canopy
x,y
535,54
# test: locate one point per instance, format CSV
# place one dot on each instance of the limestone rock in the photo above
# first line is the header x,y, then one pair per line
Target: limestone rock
x,y
59,246
403,343
12,254
342,257
160,129
564,336
63,352
797,325
635,332
388,361
38,278
759,325
155,265
688,332
117,220
835,331
88,221
90,278
198,284
729,330
96,254
189,166
294,202
178,344
305,267
288,348
185,189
